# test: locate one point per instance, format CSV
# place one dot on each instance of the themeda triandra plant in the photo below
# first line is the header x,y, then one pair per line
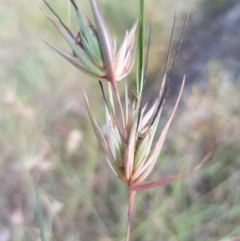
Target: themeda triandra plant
x,y
130,148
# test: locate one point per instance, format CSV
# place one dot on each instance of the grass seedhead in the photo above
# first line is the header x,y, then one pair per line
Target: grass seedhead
x,y
132,156
93,49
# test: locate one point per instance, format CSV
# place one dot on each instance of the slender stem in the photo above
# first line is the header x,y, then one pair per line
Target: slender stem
x,y
122,115
131,200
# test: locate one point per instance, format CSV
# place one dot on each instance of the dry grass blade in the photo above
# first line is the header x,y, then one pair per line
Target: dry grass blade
x,y
163,181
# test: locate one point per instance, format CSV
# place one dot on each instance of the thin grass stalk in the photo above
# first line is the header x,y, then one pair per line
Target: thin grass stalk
x,y
131,201
40,215
145,67
140,50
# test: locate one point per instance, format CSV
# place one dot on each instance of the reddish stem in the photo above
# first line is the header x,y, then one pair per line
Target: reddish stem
x,y
131,201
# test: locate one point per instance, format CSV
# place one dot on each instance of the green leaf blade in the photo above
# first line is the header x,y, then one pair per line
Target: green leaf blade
x,y
140,49
39,215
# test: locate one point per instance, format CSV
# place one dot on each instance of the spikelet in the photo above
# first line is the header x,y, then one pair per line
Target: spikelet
x,y
93,50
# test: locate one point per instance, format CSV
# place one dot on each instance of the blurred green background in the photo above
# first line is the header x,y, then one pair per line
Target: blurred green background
x,y
45,133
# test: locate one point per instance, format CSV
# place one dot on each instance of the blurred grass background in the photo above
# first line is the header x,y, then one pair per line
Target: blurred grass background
x,y
45,133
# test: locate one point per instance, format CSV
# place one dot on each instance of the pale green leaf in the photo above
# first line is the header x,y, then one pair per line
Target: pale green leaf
x,y
140,50
80,53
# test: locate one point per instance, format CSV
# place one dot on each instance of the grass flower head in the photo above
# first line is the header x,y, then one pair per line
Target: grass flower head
x,y
93,49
